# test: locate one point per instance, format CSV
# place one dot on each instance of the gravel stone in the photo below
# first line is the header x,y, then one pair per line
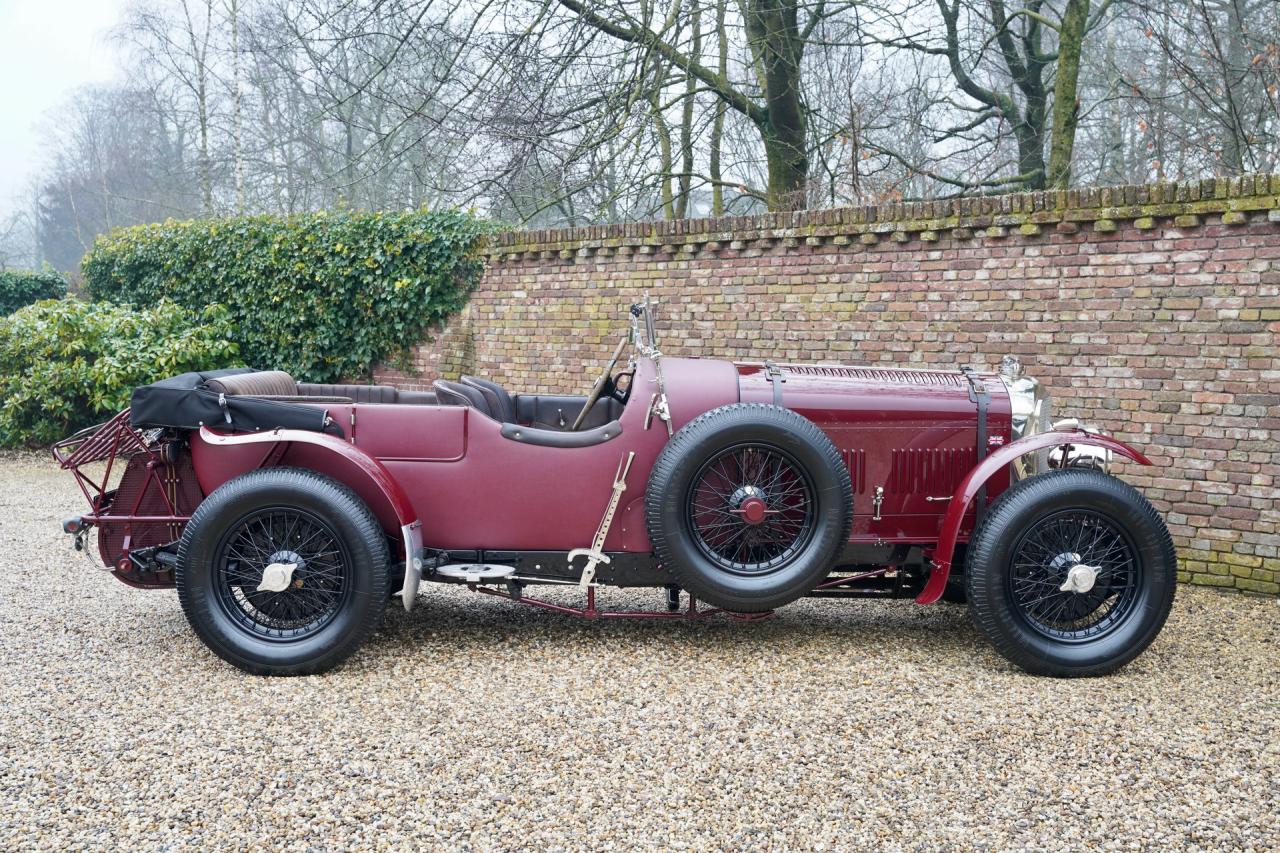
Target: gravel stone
x,y
474,723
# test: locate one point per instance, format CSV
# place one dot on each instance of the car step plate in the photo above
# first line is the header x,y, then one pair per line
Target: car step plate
x,y
476,572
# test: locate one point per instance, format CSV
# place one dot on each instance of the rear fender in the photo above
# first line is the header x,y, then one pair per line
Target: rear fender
x,y
369,467
967,491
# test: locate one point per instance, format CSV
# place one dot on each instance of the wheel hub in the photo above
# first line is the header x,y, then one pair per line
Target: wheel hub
x,y
749,505
278,574
1080,578
753,510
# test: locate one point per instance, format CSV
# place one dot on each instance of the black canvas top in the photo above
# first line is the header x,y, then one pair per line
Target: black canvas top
x,y
183,402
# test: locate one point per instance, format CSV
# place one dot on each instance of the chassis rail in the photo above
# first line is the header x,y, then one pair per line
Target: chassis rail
x,y
691,613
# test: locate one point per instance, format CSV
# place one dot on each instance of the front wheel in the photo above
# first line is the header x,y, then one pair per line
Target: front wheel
x,y
1072,573
283,571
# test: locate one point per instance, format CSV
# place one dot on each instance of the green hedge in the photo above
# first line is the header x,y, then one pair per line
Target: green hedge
x,y
67,364
22,287
325,296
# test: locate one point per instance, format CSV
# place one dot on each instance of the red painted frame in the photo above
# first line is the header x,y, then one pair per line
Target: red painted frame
x,y
116,439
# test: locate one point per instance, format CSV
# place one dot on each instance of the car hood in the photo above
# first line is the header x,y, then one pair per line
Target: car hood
x,y
826,393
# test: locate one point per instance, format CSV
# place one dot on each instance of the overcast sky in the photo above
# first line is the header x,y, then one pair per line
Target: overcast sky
x,y
47,49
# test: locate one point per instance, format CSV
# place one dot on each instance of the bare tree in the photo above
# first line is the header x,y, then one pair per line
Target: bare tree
x,y
567,112
1221,72
177,41
775,35
1017,71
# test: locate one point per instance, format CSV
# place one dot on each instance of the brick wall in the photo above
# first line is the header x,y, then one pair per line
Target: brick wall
x,y
1152,311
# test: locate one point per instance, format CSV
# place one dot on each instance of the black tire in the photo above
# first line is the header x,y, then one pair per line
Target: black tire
x,y
1013,574
789,461
338,589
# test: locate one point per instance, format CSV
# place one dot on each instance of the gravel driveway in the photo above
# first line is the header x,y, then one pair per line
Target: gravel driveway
x,y
477,723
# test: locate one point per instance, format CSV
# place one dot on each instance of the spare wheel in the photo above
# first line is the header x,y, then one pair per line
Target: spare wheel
x,y
749,506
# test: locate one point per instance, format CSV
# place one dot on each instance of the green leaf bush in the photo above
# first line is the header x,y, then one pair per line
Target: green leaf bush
x,y
325,296
67,364
23,287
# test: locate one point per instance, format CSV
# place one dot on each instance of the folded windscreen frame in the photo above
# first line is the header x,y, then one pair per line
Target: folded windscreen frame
x,y
185,402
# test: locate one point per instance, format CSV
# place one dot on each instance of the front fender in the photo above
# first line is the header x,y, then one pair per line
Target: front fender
x,y
375,471
965,493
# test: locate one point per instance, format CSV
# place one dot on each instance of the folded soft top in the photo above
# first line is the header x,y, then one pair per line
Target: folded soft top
x,y
187,402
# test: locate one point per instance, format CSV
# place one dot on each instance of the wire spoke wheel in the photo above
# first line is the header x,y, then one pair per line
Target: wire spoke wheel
x,y
283,571
1071,573
751,509
748,507
288,547
1074,575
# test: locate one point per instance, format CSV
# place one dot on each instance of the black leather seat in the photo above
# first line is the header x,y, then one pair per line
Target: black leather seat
x,y
356,393
457,394
278,385
500,402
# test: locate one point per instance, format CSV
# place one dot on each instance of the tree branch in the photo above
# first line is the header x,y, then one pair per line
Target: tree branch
x,y
646,37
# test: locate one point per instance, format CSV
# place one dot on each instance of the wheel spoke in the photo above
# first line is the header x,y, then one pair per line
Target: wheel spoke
x,y
318,584
760,473
1043,560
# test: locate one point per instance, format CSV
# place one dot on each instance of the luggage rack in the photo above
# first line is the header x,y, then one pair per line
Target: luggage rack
x,y
130,514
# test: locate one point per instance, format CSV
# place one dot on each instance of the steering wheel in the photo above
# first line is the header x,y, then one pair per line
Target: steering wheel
x,y
598,388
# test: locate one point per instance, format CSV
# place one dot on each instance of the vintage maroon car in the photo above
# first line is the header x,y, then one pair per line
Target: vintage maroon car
x,y
287,513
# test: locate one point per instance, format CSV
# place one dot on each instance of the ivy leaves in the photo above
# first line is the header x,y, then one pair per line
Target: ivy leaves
x,y
22,287
324,296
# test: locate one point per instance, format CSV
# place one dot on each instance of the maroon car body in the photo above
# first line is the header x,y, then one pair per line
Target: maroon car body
x,y
926,453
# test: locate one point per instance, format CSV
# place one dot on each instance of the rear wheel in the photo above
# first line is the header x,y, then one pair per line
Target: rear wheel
x,y
1072,573
283,572
748,506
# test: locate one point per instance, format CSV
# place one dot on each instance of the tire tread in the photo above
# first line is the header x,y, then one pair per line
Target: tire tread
x,y
367,529
988,614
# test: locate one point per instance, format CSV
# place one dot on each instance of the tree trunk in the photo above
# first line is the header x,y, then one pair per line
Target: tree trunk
x,y
717,123
686,121
1066,106
1112,167
238,125
206,163
788,169
664,155
199,56
1235,77
774,35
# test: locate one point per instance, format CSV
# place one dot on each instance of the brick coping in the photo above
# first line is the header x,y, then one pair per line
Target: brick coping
x,y
991,217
